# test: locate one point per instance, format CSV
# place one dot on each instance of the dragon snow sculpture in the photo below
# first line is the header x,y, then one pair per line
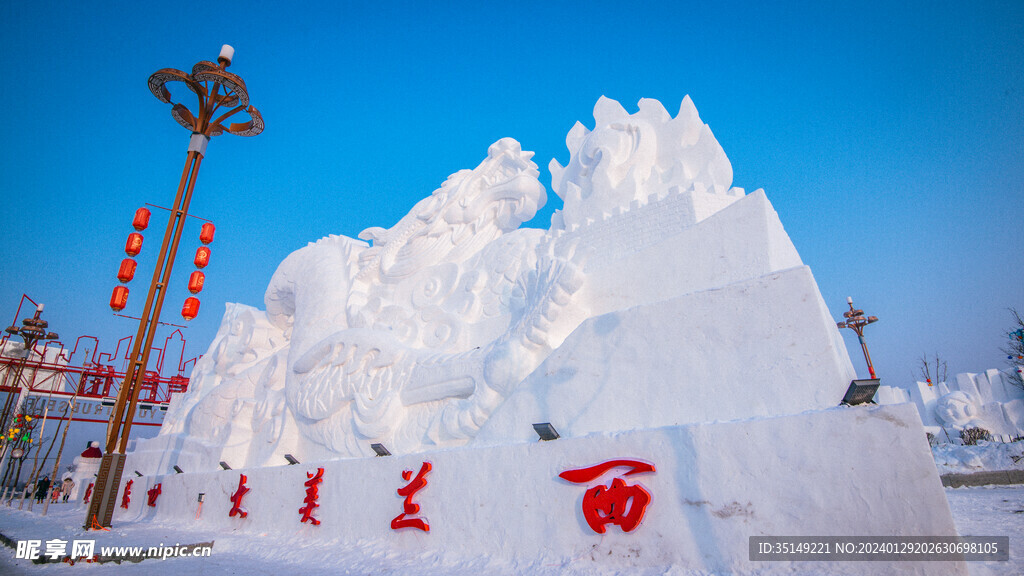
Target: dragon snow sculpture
x,y
411,336
414,339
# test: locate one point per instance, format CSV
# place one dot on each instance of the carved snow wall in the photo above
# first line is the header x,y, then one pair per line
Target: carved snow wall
x,y
839,472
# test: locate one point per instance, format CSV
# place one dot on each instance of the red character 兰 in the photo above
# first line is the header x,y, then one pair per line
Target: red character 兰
x,y
236,499
621,504
408,506
312,495
154,493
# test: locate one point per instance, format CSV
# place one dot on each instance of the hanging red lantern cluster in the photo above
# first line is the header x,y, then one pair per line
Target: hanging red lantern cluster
x,y
196,280
126,272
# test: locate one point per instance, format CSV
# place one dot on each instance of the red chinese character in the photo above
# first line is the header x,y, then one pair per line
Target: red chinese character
x,y
88,492
312,494
236,498
153,494
408,506
619,503
127,497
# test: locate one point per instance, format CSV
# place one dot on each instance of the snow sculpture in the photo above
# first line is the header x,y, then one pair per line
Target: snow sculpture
x,y
985,400
664,322
416,335
84,468
627,158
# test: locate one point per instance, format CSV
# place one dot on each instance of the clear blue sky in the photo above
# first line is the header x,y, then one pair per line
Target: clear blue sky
x,y
888,136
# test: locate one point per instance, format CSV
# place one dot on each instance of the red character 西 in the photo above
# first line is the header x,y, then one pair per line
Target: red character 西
x,y
621,504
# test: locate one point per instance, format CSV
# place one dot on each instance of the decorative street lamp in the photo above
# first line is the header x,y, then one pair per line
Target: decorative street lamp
x,y
856,321
217,90
32,331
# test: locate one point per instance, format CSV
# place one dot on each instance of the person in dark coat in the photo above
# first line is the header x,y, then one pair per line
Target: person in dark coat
x,y
42,489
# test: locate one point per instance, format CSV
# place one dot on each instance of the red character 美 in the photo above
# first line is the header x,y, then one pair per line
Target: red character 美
x,y
312,495
236,499
408,507
619,503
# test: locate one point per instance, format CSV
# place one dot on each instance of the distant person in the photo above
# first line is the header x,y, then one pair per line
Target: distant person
x,y
55,493
42,489
66,487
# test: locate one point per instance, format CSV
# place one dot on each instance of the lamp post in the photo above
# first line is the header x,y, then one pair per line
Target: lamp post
x,y
856,321
33,330
217,90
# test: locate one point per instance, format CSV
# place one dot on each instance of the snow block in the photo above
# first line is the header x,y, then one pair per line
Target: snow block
x,y
756,348
861,471
745,239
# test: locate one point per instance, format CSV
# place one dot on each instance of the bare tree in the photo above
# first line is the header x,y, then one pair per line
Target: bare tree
x,y
937,367
1014,350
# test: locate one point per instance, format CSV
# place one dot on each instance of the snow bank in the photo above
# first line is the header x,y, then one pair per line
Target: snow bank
x,y
985,456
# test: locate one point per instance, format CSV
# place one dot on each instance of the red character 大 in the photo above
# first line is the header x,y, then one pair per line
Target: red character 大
x,y
236,499
88,492
127,497
312,494
620,503
408,507
154,493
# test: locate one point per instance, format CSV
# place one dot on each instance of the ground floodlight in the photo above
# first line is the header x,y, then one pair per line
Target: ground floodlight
x,y
202,496
291,459
546,431
860,392
380,450
178,470
139,474
224,465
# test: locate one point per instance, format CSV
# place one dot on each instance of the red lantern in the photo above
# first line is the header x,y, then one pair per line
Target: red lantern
x,y
119,299
134,244
195,282
141,219
127,270
202,257
191,308
206,233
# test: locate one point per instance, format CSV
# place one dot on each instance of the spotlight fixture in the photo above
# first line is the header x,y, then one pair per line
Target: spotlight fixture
x,y
139,474
291,459
546,431
224,465
860,392
380,450
178,470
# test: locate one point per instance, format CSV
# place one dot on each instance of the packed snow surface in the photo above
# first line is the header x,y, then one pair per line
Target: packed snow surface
x,y
982,511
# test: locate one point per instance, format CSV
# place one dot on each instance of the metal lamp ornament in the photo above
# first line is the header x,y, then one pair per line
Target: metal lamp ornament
x,y
221,96
856,321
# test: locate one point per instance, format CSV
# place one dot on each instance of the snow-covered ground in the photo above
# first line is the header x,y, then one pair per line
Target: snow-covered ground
x,y
983,511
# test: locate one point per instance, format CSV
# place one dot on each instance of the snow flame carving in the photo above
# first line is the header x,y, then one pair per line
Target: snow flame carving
x,y
628,157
